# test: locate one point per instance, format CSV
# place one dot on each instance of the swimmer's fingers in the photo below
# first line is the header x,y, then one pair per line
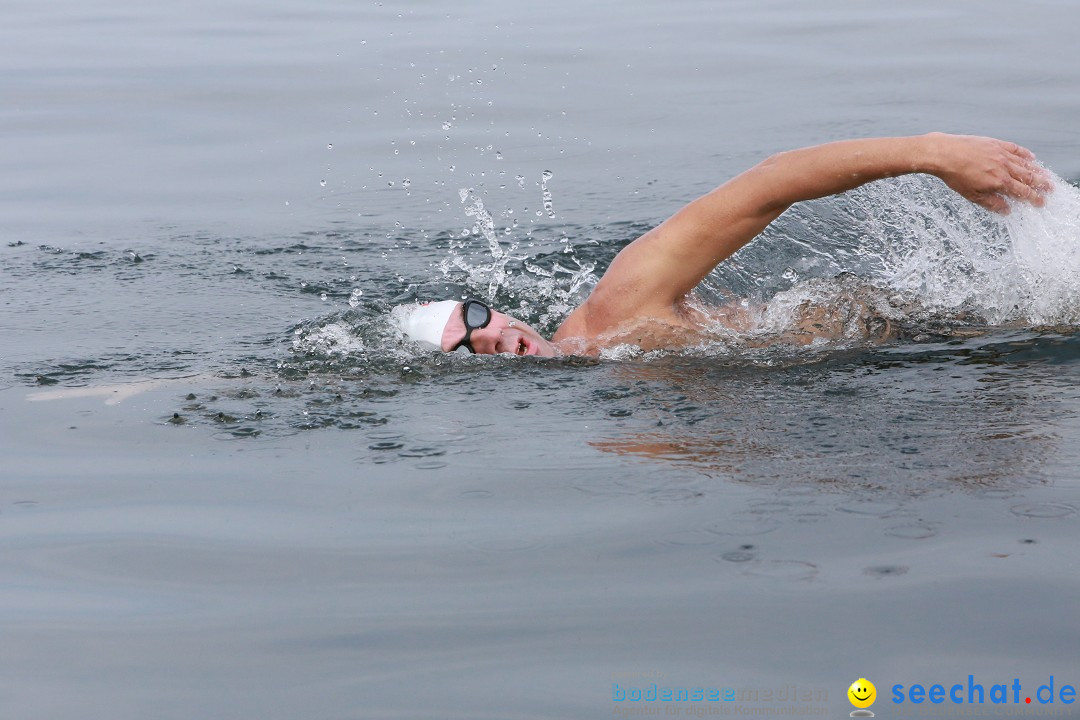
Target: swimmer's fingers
x,y
995,201
1019,150
988,171
1019,189
992,202
1024,167
1027,181
1033,175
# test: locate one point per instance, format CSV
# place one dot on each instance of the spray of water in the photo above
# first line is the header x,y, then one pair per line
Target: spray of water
x,y
901,257
542,293
951,256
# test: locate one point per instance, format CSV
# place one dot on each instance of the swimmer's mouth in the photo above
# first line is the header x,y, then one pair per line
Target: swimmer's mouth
x,y
523,347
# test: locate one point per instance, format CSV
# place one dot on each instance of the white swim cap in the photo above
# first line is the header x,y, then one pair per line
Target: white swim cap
x,y
425,324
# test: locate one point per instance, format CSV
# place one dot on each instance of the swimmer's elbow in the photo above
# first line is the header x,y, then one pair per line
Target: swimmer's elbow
x,y
776,183
770,192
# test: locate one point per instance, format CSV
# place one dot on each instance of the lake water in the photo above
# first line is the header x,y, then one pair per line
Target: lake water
x,y
228,489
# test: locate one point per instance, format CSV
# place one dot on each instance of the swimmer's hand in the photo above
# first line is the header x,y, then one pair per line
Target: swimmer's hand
x,y
986,171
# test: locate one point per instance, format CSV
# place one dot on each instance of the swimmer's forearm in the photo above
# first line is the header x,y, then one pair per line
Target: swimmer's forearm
x,y
814,172
716,225
983,170
670,260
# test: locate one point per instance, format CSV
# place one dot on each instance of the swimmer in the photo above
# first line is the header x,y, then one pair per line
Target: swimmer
x,y
643,298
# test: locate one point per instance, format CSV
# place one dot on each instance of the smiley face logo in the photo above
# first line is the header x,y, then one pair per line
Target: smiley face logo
x,y
862,693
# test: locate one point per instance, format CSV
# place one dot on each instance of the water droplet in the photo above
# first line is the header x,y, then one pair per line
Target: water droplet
x,y
548,205
329,146
322,183
354,298
322,296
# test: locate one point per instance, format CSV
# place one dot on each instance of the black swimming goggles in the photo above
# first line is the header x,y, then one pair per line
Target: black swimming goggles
x,y
477,315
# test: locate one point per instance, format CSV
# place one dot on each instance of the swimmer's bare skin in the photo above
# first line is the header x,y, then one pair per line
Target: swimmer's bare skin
x,y
641,297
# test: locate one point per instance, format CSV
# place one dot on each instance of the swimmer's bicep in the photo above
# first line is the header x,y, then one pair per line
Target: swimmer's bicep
x,y
666,263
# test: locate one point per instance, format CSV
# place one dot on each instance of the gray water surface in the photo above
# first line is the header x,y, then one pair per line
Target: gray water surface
x,y
228,489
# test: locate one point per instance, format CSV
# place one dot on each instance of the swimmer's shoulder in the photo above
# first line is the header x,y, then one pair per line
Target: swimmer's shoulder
x,y
599,320
574,326
599,314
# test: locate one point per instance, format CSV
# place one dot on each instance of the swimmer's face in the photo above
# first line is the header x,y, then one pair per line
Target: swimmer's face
x,y
503,334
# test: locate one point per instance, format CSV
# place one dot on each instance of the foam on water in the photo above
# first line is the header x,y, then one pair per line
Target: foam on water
x,y
331,339
952,256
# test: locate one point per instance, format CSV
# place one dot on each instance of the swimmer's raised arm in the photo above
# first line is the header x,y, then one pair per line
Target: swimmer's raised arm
x,y
654,273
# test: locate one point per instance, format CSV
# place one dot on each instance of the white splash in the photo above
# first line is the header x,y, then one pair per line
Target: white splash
x,y
333,339
1046,255
952,256
492,273
500,270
